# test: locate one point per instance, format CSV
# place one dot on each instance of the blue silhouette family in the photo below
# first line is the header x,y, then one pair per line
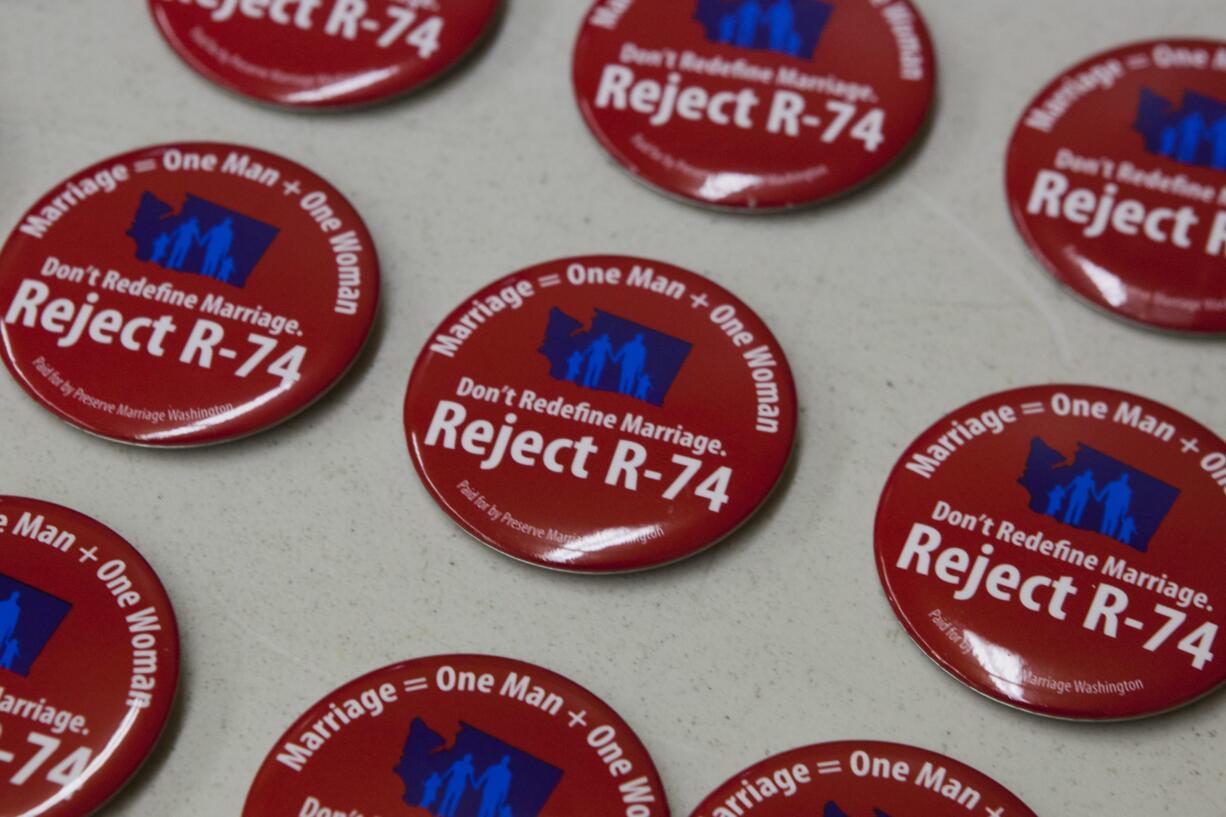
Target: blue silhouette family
x,y
1068,504
1192,134
591,360
203,238
477,775
28,619
1097,493
444,792
615,354
791,27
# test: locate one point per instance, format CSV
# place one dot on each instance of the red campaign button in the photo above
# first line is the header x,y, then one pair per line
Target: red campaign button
x,y
601,414
1116,179
459,736
861,779
322,53
186,294
1058,548
757,104
89,660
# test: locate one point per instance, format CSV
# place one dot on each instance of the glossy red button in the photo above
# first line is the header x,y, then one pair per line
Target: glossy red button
x,y
322,53
1117,181
1058,548
186,294
89,660
861,779
458,736
601,414
754,104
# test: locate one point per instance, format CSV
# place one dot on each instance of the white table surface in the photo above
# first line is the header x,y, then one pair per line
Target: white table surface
x,y
310,554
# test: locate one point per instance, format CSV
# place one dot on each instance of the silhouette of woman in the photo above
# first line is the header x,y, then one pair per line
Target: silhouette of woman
x,y
494,784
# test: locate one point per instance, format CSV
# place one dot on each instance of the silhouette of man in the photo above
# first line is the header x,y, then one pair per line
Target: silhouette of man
x,y
598,354
430,790
159,248
217,243
644,388
494,785
748,19
457,780
1081,488
573,364
10,612
781,25
1128,530
633,357
227,270
184,237
1217,136
1191,133
11,651
1116,497
1055,498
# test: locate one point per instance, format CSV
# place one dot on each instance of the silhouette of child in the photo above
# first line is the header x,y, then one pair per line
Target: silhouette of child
x,y
433,783
1055,498
159,248
573,364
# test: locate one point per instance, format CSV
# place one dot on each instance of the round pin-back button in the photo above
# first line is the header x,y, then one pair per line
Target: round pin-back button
x,y
860,779
1116,178
323,53
761,104
1058,548
89,660
186,294
601,414
459,736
